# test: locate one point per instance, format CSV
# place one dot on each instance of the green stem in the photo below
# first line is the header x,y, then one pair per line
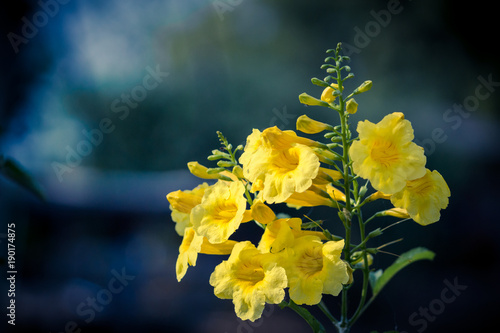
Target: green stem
x,y
327,313
344,324
366,270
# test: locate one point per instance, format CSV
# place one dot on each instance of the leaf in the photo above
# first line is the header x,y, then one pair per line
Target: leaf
x,y
316,326
373,277
12,170
418,253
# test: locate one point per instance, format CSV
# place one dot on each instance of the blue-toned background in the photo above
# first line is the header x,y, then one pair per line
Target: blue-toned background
x,y
104,103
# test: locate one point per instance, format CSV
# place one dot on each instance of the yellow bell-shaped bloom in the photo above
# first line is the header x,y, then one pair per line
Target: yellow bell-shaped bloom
x,y
423,198
251,279
279,163
191,245
314,268
181,204
386,155
221,211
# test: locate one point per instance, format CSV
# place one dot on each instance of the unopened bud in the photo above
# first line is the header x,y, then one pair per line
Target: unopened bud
x,y
309,100
310,126
365,86
200,171
351,106
328,94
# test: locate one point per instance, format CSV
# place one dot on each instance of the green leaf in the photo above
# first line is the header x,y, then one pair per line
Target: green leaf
x,y
374,276
419,253
316,326
12,170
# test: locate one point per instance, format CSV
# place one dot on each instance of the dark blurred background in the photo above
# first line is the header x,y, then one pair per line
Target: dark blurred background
x,y
104,103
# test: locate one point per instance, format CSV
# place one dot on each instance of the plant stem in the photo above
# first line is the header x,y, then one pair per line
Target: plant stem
x,y
344,324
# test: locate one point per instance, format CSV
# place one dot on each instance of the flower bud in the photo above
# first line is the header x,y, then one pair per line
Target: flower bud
x,y
262,213
364,87
328,94
310,126
396,212
238,172
200,171
351,106
309,100
358,260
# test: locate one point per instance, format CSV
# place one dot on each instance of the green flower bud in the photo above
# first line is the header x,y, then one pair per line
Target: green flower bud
x,y
351,106
309,100
365,86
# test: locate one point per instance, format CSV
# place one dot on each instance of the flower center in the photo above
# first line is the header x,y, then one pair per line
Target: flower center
x,y
249,274
286,161
384,152
311,261
225,212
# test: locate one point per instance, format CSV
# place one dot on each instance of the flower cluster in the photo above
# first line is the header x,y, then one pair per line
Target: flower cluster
x,y
275,167
280,167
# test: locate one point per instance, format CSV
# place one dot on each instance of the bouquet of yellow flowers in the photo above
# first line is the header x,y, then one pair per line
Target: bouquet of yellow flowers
x,y
303,257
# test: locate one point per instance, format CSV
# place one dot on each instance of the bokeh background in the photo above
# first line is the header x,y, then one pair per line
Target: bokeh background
x,y
71,67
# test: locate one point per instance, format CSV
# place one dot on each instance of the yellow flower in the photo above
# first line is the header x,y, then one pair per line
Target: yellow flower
x,y
327,95
191,245
279,163
181,203
314,268
310,126
386,155
281,234
221,211
423,198
251,279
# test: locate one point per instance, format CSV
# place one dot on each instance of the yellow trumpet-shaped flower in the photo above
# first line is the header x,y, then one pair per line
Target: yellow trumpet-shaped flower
x,y
279,163
191,245
181,204
251,279
314,268
386,155
423,198
221,211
